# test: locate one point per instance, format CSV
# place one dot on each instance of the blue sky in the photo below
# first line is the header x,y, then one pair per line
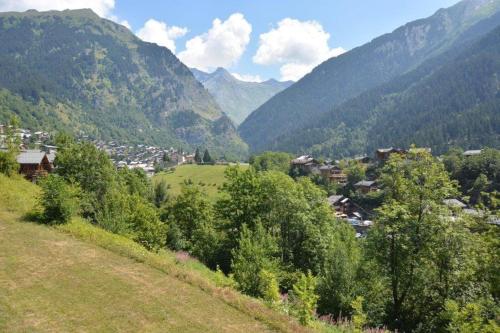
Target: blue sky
x,y
257,39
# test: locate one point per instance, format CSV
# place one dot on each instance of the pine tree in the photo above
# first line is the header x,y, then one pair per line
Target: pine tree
x,y
197,156
207,159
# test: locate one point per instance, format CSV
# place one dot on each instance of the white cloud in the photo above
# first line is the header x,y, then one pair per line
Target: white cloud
x,y
116,19
247,77
158,32
100,7
221,46
298,46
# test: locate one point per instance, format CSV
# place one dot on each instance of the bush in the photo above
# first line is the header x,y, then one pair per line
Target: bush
x,y
305,299
8,163
59,200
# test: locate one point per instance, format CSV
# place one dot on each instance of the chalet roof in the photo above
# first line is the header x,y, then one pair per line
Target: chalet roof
x,y
384,150
51,156
367,183
454,203
30,157
334,199
472,152
303,159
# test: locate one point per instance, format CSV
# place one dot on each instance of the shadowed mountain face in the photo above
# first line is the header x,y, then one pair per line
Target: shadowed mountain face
x,y
451,100
73,70
238,98
336,81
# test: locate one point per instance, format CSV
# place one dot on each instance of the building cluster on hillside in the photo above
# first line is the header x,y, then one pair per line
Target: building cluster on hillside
x,y
342,206
143,156
36,150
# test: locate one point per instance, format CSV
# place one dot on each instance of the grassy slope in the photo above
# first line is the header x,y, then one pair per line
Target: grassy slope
x,y
209,177
79,277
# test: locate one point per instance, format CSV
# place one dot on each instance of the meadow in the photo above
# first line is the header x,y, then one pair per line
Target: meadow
x,y
78,277
208,177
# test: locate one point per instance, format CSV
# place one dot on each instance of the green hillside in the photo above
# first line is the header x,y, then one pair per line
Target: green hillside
x,y
364,68
208,177
75,71
81,278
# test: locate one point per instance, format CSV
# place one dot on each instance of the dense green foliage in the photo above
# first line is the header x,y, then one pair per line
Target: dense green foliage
x,y
77,72
269,230
238,98
478,176
119,201
59,200
269,161
9,148
401,88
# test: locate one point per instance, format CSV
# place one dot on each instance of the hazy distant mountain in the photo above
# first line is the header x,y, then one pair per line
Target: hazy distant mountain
x,y
73,70
339,79
238,98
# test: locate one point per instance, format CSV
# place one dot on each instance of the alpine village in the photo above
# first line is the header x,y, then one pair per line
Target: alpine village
x,y
148,187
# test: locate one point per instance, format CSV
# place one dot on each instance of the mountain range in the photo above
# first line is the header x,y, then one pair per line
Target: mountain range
x,y
72,70
426,73
235,97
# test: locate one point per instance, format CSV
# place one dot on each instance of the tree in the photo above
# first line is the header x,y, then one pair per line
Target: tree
x,y
187,216
59,200
207,159
197,156
91,169
148,230
255,253
305,298
8,163
413,241
359,317
338,281
469,318
269,161
161,192
8,158
269,288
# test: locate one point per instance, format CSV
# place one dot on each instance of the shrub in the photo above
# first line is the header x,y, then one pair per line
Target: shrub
x,y
8,163
59,200
305,298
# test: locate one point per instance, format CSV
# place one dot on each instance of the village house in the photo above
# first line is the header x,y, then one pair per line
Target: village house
x,y
340,204
366,186
334,174
34,164
305,164
383,154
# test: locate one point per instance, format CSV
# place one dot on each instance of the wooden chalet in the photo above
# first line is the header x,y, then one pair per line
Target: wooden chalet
x,y
34,164
334,174
383,154
340,204
366,186
306,163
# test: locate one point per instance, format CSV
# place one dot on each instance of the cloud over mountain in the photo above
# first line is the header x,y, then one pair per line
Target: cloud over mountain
x,y
221,46
298,46
158,32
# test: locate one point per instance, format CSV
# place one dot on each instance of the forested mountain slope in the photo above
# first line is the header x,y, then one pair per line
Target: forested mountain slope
x,y
451,100
340,79
238,98
76,71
